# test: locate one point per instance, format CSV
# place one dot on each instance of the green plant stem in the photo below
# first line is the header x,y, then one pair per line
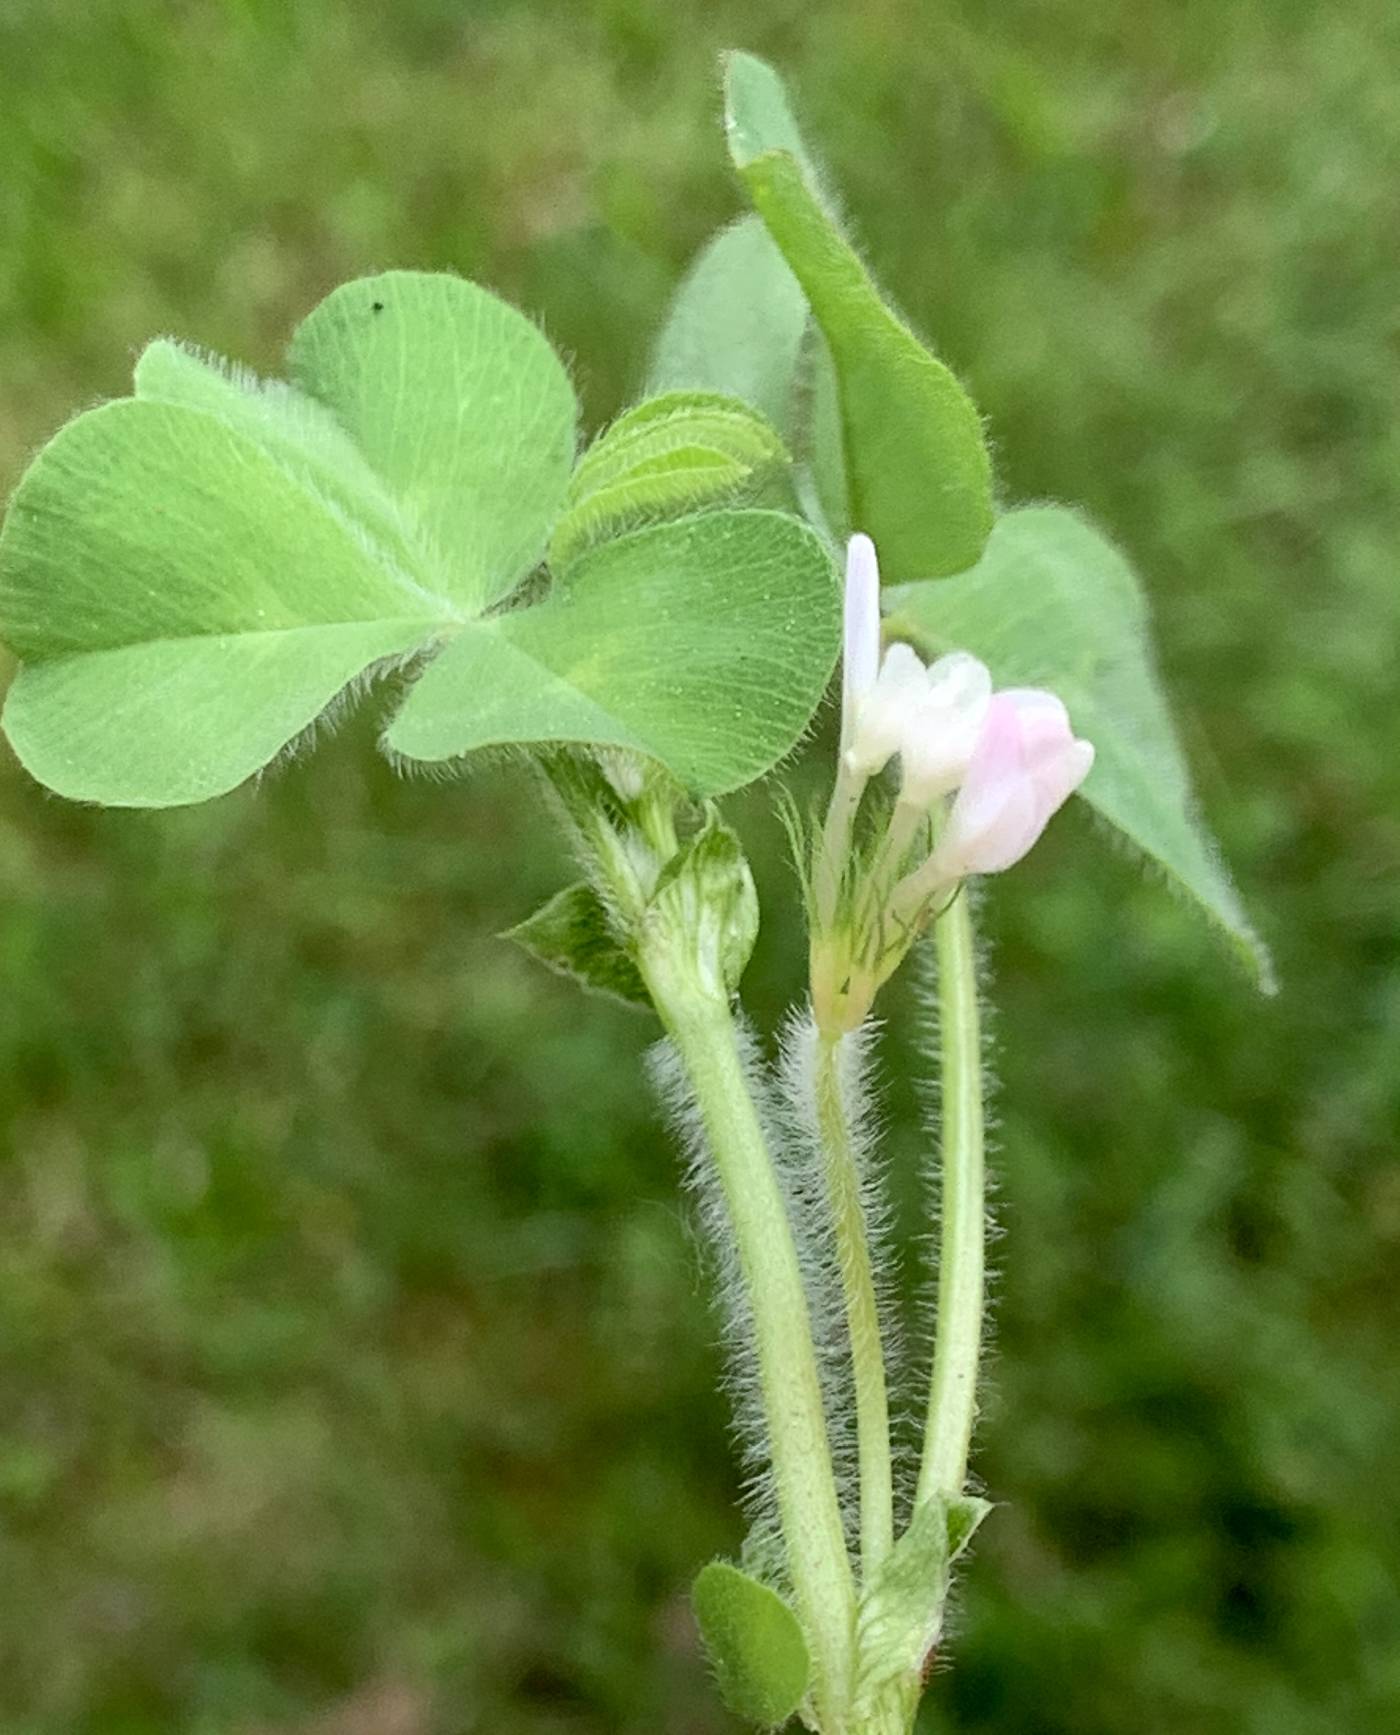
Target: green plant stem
x,y
952,1408
843,1189
702,1028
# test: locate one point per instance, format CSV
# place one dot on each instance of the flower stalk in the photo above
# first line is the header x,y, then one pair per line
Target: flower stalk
x,y
952,1401
835,1117
701,1026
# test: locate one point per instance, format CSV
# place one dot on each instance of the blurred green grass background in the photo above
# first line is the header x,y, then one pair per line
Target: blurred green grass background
x,y
355,1370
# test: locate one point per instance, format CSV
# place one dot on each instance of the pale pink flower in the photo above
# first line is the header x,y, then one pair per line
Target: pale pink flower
x,y
1025,766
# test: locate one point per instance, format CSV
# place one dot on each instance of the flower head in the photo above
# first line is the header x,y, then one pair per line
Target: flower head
x,y
1026,764
1007,760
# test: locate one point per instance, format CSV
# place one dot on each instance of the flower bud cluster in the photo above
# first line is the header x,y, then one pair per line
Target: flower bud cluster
x,y
981,774
1012,756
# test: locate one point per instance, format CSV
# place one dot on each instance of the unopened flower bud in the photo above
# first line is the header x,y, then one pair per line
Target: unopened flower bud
x,y
860,645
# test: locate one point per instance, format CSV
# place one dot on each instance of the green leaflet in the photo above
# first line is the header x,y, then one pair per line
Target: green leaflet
x,y
571,933
819,445
705,643
918,471
901,1610
459,403
1053,603
668,455
740,324
754,1643
735,325
184,605
301,434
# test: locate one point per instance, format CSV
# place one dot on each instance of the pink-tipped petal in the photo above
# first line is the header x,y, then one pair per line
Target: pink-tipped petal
x,y
993,817
1058,777
1045,725
1026,765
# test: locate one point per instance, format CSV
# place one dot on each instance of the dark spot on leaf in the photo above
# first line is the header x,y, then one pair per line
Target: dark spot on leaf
x,y
376,307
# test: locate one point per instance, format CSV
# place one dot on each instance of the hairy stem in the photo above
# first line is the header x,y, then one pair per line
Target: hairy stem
x,y
702,1028
952,1408
841,1166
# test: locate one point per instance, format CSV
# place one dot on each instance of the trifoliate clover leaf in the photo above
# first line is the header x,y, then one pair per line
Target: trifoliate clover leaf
x,y
704,644
192,575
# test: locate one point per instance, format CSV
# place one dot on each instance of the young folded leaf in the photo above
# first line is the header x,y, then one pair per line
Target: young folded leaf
x,y
1052,603
705,895
669,455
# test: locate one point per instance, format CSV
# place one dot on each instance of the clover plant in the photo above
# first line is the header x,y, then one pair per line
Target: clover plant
x,y
193,575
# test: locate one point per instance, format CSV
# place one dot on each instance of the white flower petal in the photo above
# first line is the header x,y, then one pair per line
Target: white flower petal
x,y
878,720
860,658
960,681
944,728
